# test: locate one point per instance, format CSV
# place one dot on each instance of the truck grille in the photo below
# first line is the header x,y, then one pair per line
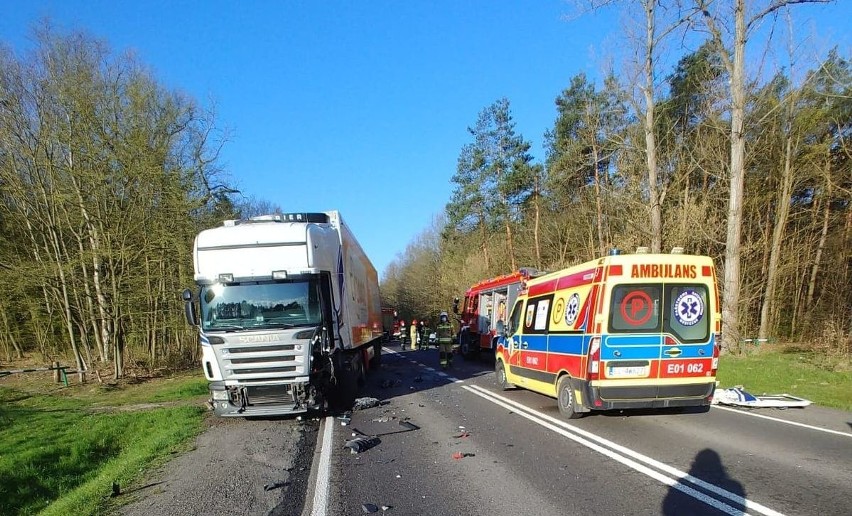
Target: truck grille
x,y
259,363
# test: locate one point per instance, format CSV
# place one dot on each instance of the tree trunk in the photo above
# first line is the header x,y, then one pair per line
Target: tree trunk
x,y
537,223
650,139
822,238
731,295
598,203
783,211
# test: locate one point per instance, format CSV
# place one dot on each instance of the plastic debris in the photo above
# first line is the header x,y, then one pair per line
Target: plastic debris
x,y
460,455
462,435
369,508
739,397
365,403
275,485
386,507
361,444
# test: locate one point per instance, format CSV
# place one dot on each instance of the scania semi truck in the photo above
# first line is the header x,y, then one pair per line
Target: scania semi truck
x,y
288,313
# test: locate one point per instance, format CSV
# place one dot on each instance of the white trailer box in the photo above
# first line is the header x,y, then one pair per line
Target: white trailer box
x,y
288,310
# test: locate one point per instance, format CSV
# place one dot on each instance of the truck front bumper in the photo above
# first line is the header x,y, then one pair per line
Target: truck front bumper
x,y
260,400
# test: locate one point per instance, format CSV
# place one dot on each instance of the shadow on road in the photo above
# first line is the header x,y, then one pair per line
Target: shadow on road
x,y
405,372
708,467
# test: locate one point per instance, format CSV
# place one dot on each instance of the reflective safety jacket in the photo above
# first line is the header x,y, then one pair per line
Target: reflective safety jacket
x,y
445,333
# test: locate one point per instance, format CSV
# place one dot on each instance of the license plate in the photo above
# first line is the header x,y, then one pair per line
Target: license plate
x,y
626,371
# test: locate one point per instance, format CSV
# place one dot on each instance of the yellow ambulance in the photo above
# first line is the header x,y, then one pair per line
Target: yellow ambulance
x,y
623,331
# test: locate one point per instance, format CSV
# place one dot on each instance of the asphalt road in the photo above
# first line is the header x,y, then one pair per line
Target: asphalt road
x,y
480,451
237,467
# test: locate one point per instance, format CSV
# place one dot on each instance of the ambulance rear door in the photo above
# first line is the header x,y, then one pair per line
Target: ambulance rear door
x,y
634,344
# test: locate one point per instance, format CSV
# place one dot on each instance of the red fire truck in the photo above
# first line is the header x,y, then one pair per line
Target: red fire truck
x,y
486,305
390,324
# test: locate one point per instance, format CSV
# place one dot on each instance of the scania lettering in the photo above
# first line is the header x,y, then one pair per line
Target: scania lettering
x,y
623,331
288,313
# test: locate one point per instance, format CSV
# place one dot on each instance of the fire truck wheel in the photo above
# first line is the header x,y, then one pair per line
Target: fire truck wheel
x,y
467,349
565,399
500,373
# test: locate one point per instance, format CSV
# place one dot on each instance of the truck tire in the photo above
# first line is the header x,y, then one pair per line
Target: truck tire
x,y
565,399
376,362
344,392
500,375
466,346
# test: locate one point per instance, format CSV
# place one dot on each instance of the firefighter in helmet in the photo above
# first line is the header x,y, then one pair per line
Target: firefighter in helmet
x,y
402,333
413,334
421,335
445,340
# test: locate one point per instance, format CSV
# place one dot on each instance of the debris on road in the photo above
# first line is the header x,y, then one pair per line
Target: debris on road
x,y
361,444
275,485
737,396
369,508
345,419
460,455
462,435
365,403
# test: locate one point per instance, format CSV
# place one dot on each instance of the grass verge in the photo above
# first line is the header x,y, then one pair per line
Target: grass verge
x,y
824,380
57,456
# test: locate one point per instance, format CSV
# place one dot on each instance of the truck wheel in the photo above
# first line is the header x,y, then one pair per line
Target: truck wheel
x,y
565,399
500,373
466,347
377,355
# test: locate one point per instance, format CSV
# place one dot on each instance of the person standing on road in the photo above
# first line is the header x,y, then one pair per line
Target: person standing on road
x,y
445,340
402,333
421,334
413,332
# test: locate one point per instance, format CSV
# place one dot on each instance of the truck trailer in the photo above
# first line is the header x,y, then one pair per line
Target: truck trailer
x,y
288,312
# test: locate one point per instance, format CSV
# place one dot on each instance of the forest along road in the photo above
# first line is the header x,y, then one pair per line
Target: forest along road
x,y
480,451
238,466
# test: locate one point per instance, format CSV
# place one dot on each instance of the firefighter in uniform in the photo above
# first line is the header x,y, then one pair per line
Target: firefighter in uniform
x,y
402,333
413,333
421,334
445,340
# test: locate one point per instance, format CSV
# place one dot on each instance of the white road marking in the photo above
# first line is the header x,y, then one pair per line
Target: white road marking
x,y
803,425
579,435
320,505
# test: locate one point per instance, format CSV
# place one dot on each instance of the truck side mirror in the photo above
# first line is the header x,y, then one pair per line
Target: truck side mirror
x,y
456,305
189,308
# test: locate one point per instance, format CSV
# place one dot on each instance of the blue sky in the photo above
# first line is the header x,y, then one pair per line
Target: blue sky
x,y
361,106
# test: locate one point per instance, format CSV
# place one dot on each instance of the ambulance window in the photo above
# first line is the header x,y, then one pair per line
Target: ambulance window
x,y
687,316
635,309
537,315
515,321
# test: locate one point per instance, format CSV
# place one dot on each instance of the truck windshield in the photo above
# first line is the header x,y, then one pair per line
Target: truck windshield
x,y
260,305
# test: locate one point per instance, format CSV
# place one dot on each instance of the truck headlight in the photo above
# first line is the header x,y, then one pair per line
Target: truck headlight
x,y
220,395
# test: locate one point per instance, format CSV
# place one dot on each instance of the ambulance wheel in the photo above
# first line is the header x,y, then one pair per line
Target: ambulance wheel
x,y
565,399
500,373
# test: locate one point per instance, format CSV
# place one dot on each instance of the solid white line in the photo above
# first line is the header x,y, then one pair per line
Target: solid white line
x,y
320,505
810,427
574,434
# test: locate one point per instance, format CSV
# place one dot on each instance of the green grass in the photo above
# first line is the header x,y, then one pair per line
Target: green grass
x,y
824,380
59,457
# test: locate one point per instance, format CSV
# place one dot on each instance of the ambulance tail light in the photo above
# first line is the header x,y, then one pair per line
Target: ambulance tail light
x,y
594,358
716,347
